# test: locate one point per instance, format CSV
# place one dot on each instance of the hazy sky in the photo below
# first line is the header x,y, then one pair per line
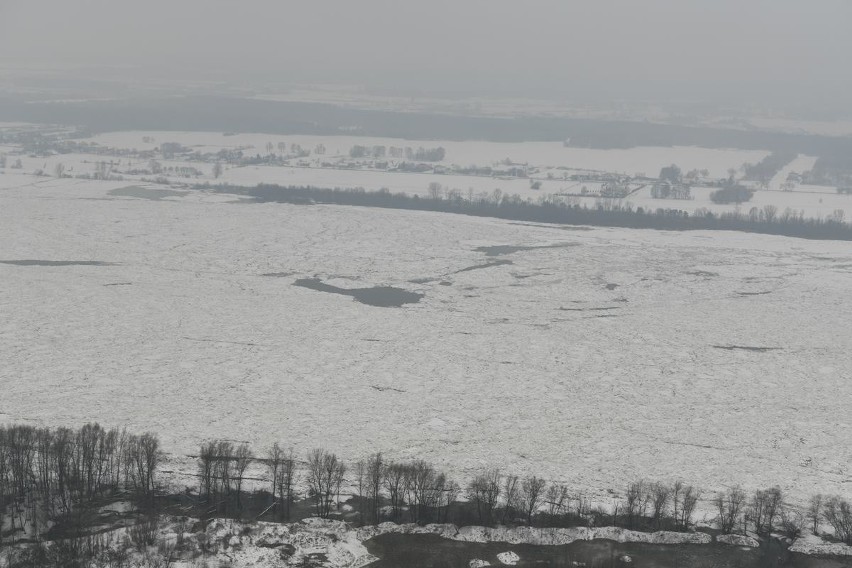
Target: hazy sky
x,y
649,47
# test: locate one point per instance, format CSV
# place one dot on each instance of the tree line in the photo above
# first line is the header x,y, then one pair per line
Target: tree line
x,y
765,170
552,209
764,512
417,492
52,475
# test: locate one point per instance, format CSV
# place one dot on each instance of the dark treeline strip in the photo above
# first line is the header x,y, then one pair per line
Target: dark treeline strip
x,y
417,492
549,209
765,170
210,113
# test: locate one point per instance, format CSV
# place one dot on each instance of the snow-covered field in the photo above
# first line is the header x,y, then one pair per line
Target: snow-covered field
x,y
813,201
646,160
603,356
554,165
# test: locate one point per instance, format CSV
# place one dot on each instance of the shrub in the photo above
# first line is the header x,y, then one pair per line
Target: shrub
x,y
732,194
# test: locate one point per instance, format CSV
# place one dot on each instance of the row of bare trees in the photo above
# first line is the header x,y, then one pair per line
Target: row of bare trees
x,y
558,209
222,467
50,473
510,499
415,491
415,486
283,477
764,513
659,505
221,471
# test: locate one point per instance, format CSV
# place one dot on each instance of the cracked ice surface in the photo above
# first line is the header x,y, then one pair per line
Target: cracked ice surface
x,y
594,357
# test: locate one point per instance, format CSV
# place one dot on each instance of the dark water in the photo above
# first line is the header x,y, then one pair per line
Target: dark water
x,y
30,262
431,551
380,296
500,250
747,348
486,265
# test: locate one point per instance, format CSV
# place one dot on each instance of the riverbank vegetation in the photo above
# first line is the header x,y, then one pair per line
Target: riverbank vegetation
x,y
59,483
554,209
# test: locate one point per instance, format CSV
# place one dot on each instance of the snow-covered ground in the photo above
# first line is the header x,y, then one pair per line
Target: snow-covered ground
x,y
800,164
813,201
606,355
335,544
646,160
553,163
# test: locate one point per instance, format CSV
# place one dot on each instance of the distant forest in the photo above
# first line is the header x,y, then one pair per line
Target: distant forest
x,y
229,114
218,114
548,209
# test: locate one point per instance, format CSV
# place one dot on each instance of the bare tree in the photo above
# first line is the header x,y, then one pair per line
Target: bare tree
x,y
815,512
316,479
394,479
770,212
763,509
756,511
338,474
206,470
532,490
633,502
729,506
362,488
103,170
325,474
273,465
483,491
242,459
147,458
556,498
690,500
224,474
792,523
421,480
774,500
375,475
287,479
660,495
838,514
677,491
511,495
